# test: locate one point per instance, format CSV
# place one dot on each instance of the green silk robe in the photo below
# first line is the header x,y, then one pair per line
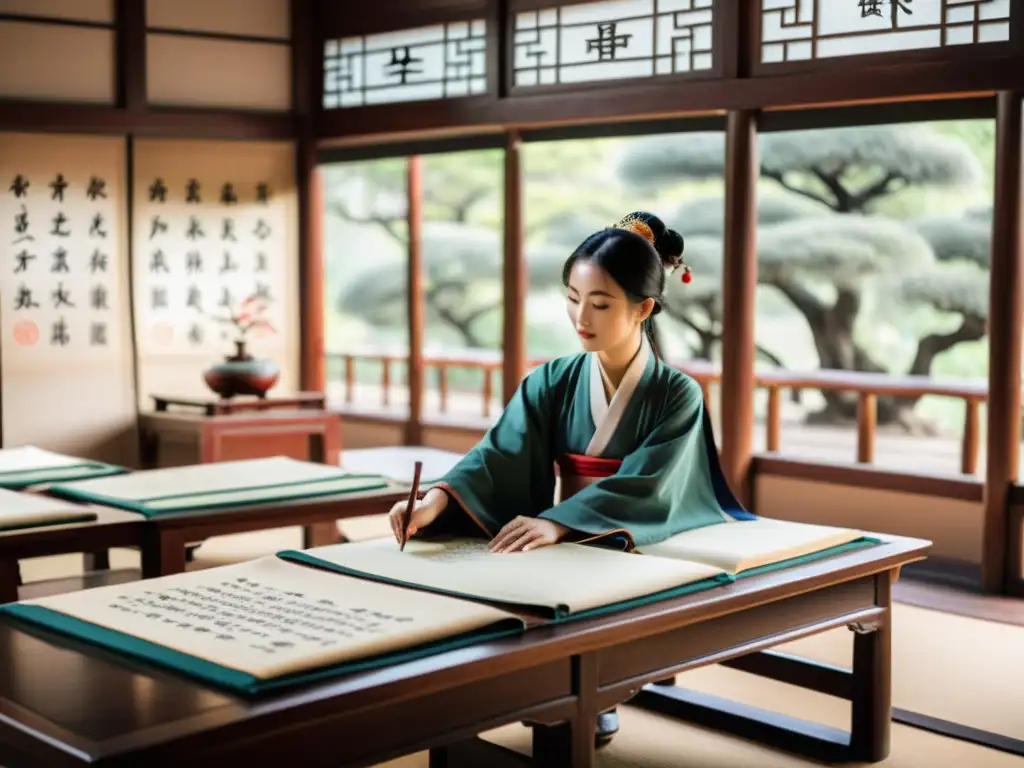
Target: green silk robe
x,y
653,444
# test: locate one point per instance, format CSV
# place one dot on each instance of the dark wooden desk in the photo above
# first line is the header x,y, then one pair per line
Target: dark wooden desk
x,y
112,528
559,677
213,406
166,538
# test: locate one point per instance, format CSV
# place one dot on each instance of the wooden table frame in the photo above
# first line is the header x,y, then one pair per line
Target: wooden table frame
x,y
559,677
112,528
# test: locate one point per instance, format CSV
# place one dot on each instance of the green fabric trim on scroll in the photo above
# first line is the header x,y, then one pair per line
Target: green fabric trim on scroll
x,y
83,518
861,543
291,491
558,615
23,478
231,679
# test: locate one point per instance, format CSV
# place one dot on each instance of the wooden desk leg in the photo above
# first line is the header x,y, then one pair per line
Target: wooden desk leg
x,y
10,578
871,703
163,553
96,561
320,535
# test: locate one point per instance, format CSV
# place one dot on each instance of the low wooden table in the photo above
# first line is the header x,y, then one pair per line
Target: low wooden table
x,y
215,406
166,538
175,439
559,677
112,528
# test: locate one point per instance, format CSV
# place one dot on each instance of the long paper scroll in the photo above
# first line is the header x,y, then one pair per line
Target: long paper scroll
x,y
265,624
28,465
64,293
214,225
206,487
30,510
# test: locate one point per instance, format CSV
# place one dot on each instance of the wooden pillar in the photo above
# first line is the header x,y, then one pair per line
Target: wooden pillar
x,y
131,55
514,272
738,300
1006,298
311,269
416,300
310,195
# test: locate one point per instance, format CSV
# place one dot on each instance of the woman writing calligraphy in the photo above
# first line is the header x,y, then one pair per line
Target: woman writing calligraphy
x,y
628,436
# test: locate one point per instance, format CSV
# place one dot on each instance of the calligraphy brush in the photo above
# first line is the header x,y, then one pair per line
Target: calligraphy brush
x,y
407,517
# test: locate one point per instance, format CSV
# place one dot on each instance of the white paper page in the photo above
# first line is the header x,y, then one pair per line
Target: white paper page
x,y
574,575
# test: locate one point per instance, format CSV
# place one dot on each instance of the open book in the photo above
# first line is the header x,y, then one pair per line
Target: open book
x,y
205,487
570,581
560,581
27,465
747,545
266,624
31,510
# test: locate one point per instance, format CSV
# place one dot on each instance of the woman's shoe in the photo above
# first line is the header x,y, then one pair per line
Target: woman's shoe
x,y
607,726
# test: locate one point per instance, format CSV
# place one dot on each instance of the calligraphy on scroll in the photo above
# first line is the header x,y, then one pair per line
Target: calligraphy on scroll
x,y
204,245
243,611
57,271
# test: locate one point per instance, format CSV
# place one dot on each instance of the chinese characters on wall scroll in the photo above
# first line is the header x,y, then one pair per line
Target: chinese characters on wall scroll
x,y
60,263
802,30
203,247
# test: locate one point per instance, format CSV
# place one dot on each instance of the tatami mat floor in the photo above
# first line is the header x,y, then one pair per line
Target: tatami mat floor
x,y
960,669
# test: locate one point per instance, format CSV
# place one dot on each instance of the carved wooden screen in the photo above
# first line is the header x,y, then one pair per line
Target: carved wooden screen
x,y
399,55
607,42
811,34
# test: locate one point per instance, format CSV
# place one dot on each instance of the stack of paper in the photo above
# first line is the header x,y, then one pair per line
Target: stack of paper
x,y
28,465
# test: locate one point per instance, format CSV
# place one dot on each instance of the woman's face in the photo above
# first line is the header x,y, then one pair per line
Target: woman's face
x,y
601,313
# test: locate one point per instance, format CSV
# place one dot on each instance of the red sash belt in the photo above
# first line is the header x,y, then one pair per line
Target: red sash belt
x,y
586,466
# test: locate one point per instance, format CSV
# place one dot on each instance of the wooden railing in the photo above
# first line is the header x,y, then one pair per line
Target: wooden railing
x,y
868,386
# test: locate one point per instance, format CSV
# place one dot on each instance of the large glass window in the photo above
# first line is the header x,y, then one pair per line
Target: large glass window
x,y
873,250
365,264
463,249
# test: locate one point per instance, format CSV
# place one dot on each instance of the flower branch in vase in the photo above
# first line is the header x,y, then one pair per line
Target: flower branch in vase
x,y
250,316
241,373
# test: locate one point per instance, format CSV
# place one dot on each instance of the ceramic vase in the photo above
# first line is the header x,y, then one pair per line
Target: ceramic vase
x,y
242,374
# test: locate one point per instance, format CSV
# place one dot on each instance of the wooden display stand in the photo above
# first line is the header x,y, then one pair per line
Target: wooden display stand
x,y
211,430
212,406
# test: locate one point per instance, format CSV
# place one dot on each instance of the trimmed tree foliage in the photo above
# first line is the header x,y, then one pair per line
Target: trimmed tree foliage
x,y
819,244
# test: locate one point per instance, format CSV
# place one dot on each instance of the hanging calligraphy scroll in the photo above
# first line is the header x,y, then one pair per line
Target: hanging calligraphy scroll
x,y
612,40
436,62
804,30
64,291
214,232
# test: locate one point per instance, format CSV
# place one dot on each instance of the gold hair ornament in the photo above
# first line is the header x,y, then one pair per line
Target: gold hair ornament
x,y
633,223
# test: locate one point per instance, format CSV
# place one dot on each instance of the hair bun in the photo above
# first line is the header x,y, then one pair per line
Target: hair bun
x,y
669,245
667,242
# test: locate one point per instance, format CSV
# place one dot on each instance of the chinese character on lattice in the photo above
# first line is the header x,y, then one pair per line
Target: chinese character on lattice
x,y
875,8
608,42
401,64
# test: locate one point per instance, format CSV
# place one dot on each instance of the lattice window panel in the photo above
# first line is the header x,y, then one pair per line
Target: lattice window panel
x,y
436,62
804,30
612,40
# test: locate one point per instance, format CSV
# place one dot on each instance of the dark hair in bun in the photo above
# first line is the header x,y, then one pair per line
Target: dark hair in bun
x,y
635,253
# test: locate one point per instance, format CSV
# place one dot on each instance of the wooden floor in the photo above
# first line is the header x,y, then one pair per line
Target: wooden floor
x,y
894,450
